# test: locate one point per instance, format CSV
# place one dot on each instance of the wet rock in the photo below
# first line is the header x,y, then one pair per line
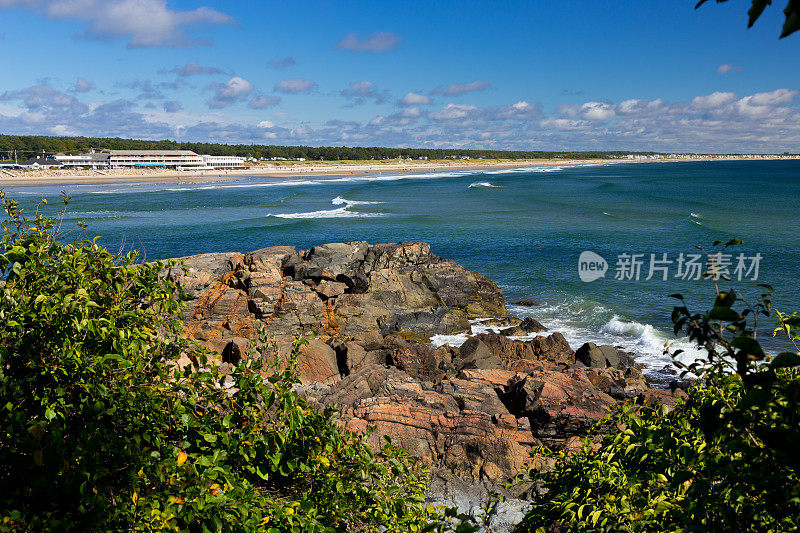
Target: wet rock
x,y
530,325
595,356
502,322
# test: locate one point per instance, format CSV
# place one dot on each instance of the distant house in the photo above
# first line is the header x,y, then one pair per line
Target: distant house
x,y
90,160
38,163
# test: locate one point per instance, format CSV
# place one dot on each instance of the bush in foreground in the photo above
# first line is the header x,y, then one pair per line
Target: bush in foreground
x,y
100,430
725,460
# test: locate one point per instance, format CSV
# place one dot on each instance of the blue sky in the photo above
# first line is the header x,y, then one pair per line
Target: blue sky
x,y
518,75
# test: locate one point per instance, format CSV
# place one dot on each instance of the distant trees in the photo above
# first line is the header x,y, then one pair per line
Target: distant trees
x,y
28,145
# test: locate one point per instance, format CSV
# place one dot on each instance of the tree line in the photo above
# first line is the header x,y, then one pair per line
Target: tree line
x,y
27,146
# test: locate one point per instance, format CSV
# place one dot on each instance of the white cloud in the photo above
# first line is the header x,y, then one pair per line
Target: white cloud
x,y
455,112
82,85
295,86
521,110
377,42
143,23
565,124
457,89
718,122
713,100
260,101
415,99
727,67
640,107
596,111
172,106
763,105
192,68
777,97
235,90
361,91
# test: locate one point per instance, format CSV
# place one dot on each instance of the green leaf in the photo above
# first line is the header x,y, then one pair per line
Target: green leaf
x,y
749,346
792,23
785,360
725,314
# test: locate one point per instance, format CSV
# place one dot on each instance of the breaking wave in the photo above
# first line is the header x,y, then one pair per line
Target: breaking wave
x,y
344,211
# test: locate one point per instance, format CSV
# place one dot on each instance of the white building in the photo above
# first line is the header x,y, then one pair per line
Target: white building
x,y
175,159
91,160
167,159
223,161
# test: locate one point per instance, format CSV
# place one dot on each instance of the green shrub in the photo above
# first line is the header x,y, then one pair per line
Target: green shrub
x,y
725,460
101,430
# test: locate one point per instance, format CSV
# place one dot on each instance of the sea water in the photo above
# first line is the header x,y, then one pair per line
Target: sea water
x,y
524,227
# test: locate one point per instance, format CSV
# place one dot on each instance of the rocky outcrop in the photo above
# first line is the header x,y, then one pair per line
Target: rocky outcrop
x,y
334,290
520,354
471,414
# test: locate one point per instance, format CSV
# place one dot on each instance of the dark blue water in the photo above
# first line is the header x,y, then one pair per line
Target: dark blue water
x,y
524,227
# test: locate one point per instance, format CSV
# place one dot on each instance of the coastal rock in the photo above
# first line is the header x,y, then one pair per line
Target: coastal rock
x,y
318,363
567,405
336,290
595,356
519,354
530,325
475,354
457,426
471,414
526,327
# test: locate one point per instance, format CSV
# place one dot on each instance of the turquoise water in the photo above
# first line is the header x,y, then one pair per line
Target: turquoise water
x,y
524,227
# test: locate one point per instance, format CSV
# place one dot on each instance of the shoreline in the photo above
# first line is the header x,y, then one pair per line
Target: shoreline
x,y
296,170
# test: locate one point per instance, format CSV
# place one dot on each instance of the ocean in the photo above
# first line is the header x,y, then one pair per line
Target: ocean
x,y
525,228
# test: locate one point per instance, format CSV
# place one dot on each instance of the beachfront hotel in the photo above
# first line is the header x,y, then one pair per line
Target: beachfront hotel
x,y
167,159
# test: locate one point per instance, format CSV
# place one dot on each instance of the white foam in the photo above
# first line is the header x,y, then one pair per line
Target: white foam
x,y
582,322
340,212
341,201
541,168
483,185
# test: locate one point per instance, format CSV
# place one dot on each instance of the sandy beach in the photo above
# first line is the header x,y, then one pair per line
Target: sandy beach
x,y
288,170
